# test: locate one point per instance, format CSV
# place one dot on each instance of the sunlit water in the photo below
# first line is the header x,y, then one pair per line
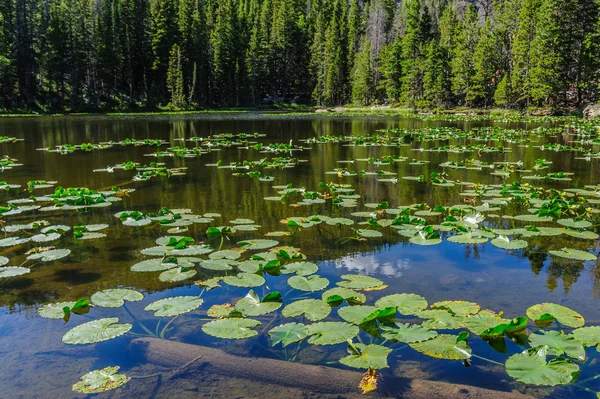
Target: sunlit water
x,y
35,363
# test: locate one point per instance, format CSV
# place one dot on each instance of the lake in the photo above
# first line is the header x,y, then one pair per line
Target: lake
x,y
380,197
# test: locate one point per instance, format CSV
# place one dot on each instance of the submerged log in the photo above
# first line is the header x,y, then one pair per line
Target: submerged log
x,y
327,380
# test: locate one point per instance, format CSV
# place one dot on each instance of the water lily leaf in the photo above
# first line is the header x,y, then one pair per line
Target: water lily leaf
x,y
220,311
152,265
440,319
174,306
235,328
444,346
95,331
248,280
407,304
339,222
312,309
192,250
49,256
564,315
226,254
13,271
467,238
177,274
356,314
459,308
589,336
423,241
300,268
45,237
3,260
91,236
558,343
360,282
95,227
99,381
11,241
251,305
242,221
530,367
366,233
209,284
287,334
505,243
331,332
250,266
483,321
407,333
346,294
366,356
54,310
115,298
216,264
258,244
584,235
574,224
574,254
311,283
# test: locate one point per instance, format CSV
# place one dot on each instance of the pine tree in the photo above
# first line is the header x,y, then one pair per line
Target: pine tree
x,y
224,56
165,34
175,78
480,91
436,80
336,79
462,54
363,84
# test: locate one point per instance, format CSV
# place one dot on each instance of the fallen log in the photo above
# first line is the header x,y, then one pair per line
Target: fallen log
x,y
327,380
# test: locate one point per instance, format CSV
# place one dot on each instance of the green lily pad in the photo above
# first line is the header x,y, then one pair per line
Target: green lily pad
x,y
49,256
247,280
251,305
258,244
226,254
564,315
176,274
95,331
558,343
310,283
99,381
287,334
360,282
467,239
235,328
407,333
366,233
45,237
11,241
346,294
54,310
589,336
530,367
115,298
174,306
356,314
152,265
216,264
407,304
312,309
505,243
483,321
574,254
13,271
574,224
331,332
459,308
367,356
300,268
440,319
444,346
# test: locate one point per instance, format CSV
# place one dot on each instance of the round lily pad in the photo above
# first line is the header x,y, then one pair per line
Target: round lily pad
x,y
459,308
407,333
312,309
300,268
530,367
407,304
288,333
99,381
95,331
235,328
54,310
13,271
310,283
331,332
114,298
250,305
258,244
177,274
152,265
346,294
360,282
367,356
174,306
248,280
443,346
49,256
549,311
574,254
356,314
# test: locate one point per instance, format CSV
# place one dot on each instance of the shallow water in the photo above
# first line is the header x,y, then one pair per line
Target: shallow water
x,y
37,364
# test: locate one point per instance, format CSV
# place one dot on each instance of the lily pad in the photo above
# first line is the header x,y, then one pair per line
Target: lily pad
x,y
548,311
444,346
13,271
505,243
49,256
251,305
312,309
574,254
248,280
115,298
257,244
589,336
152,265
99,381
356,314
287,334
360,282
226,254
235,328
174,306
459,308
367,356
311,283
95,331
346,294
558,343
530,367
331,332
407,304
300,268
575,224
54,310
407,333
177,274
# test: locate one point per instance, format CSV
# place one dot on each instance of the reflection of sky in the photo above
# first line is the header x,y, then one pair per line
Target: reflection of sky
x,y
373,264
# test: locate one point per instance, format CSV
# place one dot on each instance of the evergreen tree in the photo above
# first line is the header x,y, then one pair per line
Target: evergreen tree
x,y
436,80
175,78
462,54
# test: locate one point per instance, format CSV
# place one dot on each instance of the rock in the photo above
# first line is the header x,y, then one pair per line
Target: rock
x,y
591,111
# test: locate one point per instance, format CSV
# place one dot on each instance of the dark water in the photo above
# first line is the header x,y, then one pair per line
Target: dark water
x,y
36,364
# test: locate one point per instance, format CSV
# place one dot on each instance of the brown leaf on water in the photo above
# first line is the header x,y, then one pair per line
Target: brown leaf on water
x,y
368,383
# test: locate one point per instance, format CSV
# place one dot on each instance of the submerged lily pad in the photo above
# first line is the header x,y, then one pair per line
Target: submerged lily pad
x,y
530,367
114,298
174,306
444,346
11,241
331,332
99,381
235,328
312,309
95,331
